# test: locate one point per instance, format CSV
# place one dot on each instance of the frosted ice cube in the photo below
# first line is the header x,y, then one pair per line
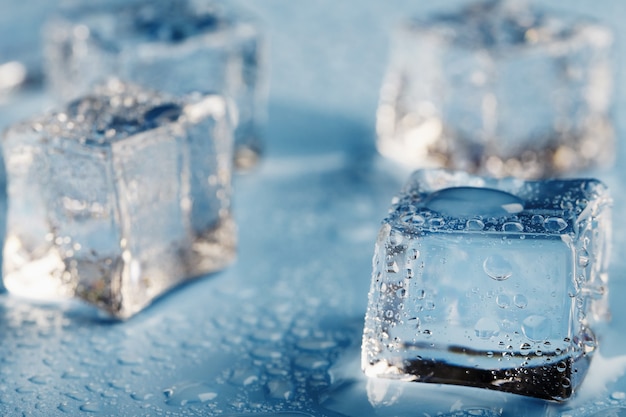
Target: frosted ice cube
x,y
499,88
118,197
489,283
173,46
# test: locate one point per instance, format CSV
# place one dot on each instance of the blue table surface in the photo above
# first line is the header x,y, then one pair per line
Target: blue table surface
x,y
279,332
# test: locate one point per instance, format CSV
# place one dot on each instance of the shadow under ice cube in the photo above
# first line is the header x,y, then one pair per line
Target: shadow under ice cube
x,y
499,88
489,283
174,46
119,197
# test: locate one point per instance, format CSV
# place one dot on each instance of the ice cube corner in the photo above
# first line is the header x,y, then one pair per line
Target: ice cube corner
x,y
490,283
118,197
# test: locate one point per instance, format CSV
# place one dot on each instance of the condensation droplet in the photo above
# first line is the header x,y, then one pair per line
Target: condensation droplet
x,y
475,225
392,267
486,327
503,301
512,227
497,267
395,238
520,301
554,224
537,328
189,393
583,258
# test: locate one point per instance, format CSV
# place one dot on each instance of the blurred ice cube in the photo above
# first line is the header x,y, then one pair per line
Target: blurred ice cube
x,y
499,88
173,46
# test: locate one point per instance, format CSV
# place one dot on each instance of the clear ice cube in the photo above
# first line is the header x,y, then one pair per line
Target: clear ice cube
x,y
501,89
489,283
118,197
173,46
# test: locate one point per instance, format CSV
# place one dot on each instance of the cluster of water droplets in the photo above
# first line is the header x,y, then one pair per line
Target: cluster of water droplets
x,y
113,111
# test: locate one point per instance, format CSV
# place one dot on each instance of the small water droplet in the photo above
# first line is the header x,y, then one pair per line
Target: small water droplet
x,y
561,366
503,301
436,222
520,301
475,225
392,267
512,227
497,267
486,327
395,237
129,360
618,395
280,389
39,379
554,224
537,328
189,393
90,407
583,258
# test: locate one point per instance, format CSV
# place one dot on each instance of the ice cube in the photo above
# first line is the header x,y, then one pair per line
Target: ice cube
x,y
489,283
118,197
499,88
173,46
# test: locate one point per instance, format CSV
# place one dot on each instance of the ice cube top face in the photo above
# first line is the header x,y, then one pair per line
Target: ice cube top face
x,y
175,47
489,283
498,89
117,198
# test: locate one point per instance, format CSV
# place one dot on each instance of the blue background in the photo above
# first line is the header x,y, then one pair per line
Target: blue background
x,y
279,332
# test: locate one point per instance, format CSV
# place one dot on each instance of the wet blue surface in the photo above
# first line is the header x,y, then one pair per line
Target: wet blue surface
x,y
279,332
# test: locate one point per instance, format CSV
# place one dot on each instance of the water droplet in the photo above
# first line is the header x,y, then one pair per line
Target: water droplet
x,y
520,300
554,224
583,258
566,383
129,360
503,301
469,201
418,220
244,376
618,395
512,227
392,267
475,225
395,238
414,254
90,407
486,327
73,374
280,389
436,222
314,344
561,366
189,393
497,267
39,379
311,362
537,328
